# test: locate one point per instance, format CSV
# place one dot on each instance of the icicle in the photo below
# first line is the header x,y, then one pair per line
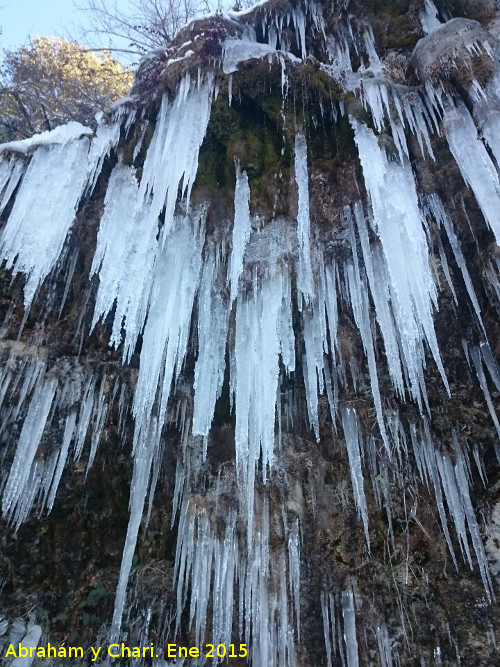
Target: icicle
x,y
143,458
454,480
352,437
446,270
441,216
452,495
475,164
478,365
57,177
241,228
166,332
11,171
304,271
225,563
463,487
213,320
315,344
479,464
100,417
429,20
29,439
210,565
62,458
86,407
398,223
384,646
358,293
294,571
299,22
70,271
125,259
122,258
261,319
43,213
349,615
378,279
425,451
163,349
328,614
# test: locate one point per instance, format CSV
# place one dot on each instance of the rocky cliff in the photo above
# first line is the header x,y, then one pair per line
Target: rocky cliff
x,y
249,386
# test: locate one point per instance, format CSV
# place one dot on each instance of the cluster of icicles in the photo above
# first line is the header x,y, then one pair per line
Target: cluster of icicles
x,y
152,278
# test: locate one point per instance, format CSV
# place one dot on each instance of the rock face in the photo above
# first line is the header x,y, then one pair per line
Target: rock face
x,y
249,386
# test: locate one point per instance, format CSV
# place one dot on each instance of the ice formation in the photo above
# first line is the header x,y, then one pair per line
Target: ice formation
x,y
302,334
34,250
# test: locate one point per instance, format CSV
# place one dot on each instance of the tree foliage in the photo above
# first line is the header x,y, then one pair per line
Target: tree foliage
x,y
52,81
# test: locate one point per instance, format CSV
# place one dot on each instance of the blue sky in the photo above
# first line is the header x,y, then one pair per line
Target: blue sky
x,y
21,19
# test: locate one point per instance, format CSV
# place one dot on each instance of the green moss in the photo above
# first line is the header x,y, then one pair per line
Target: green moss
x,y
224,121
317,82
214,171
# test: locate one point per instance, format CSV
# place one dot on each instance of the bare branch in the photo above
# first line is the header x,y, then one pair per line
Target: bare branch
x,y
143,24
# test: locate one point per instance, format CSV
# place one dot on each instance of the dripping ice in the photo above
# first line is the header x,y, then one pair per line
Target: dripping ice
x,y
173,278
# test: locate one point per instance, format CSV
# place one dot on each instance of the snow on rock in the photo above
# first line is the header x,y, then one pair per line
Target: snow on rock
x,y
449,43
237,51
61,135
